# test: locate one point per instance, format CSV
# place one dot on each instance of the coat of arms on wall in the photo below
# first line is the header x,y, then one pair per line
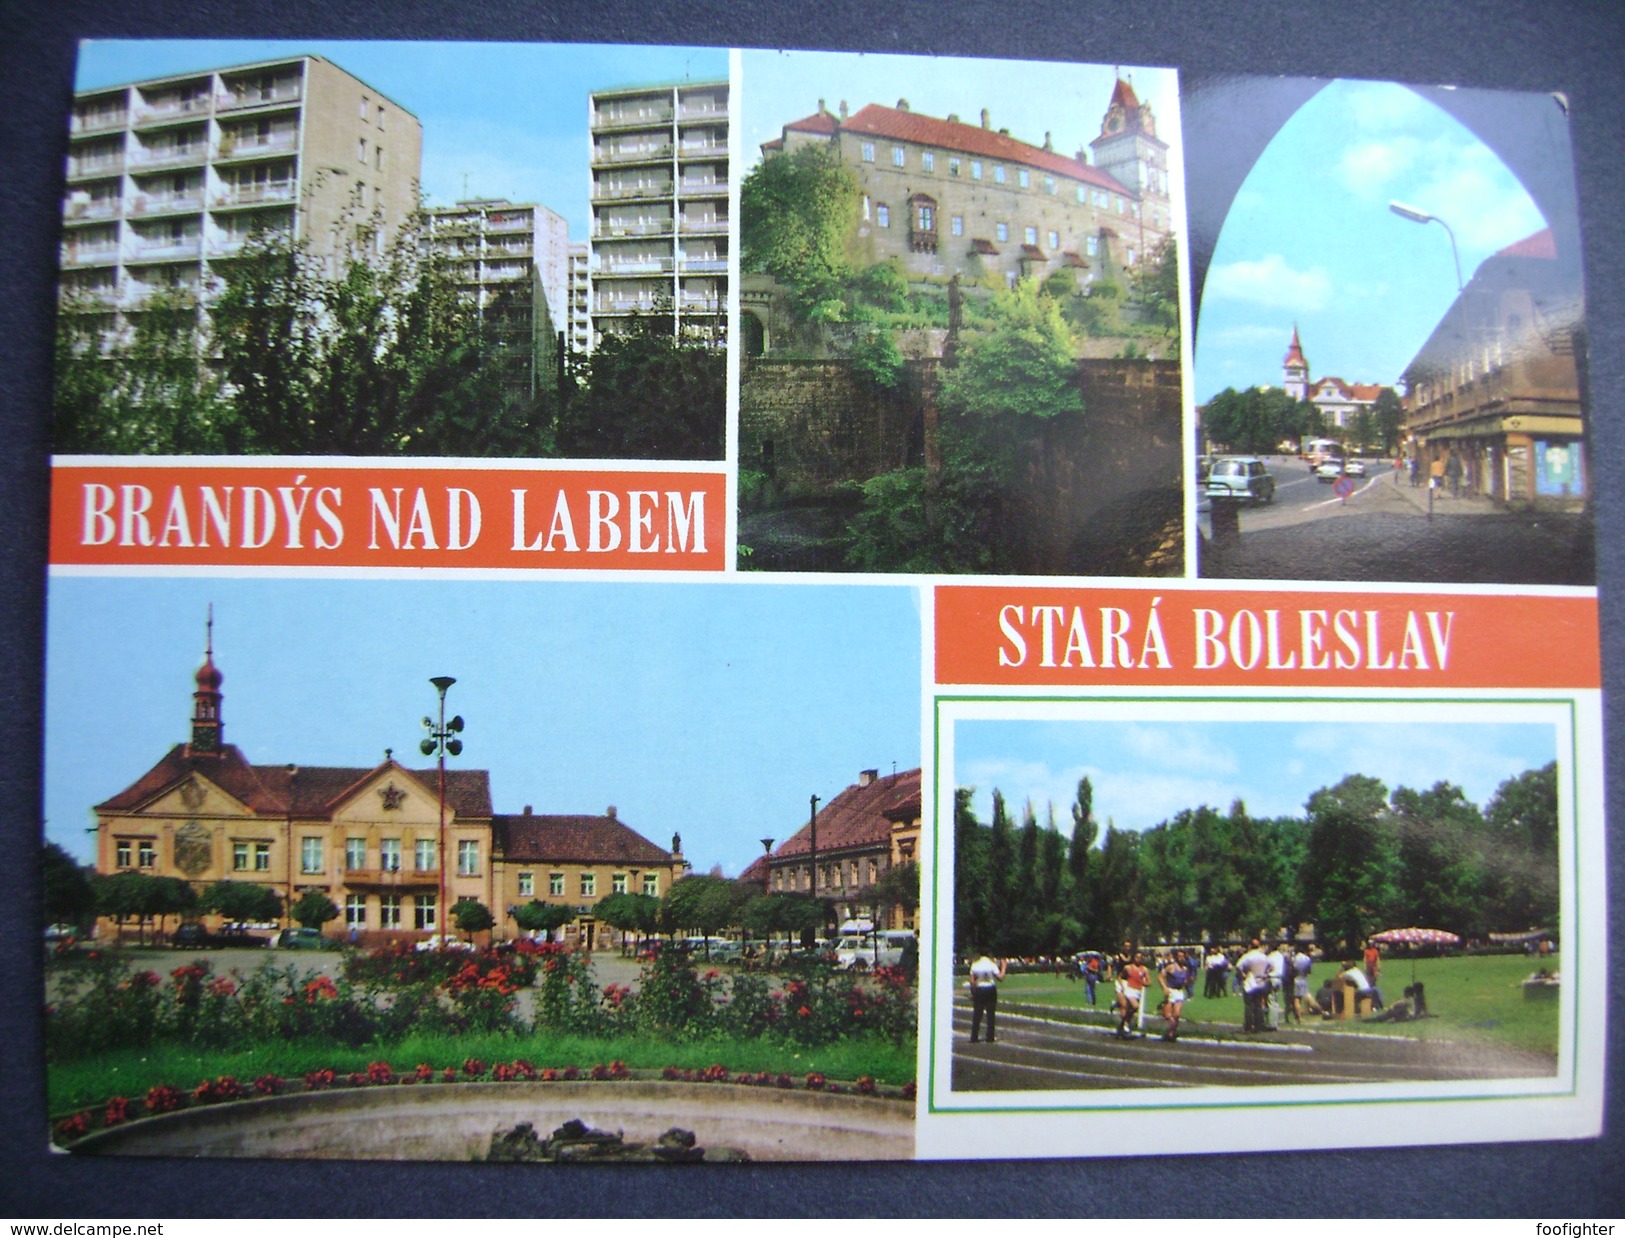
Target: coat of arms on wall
x,y
193,849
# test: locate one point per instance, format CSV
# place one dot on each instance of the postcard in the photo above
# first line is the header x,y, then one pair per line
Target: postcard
x,y
701,605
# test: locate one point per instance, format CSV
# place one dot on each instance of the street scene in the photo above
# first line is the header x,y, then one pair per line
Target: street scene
x,y
1415,312
1330,926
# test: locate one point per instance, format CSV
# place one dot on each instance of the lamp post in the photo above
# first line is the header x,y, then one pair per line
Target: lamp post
x,y
812,846
767,873
438,742
1418,216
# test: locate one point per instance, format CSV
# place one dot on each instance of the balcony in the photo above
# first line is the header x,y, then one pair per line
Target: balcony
x,y
95,165
97,122
188,250
612,267
392,878
256,195
239,100
166,204
703,111
171,110
636,154
703,150
704,266
623,305
256,148
605,121
704,224
515,223
703,189
82,212
89,255
169,157
610,231
615,193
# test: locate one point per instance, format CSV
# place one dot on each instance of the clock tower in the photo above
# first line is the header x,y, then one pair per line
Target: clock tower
x,y
1129,150
1295,369
207,727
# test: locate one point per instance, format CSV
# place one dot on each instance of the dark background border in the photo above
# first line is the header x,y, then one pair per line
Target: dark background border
x,y
1567,45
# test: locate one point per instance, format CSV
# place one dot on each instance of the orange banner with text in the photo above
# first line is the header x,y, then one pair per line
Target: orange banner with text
x,y
1055,637
231,515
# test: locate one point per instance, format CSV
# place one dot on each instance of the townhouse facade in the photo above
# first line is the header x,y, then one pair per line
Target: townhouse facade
x,y
370,839
168,178
660,225
941,197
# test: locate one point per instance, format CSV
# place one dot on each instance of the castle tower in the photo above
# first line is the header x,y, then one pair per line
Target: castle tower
x,y
207,726
1129,149
1295,369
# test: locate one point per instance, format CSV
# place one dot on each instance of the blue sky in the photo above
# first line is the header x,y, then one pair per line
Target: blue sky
x,y
1310,239
710,709
1027,97
511,117
1142,773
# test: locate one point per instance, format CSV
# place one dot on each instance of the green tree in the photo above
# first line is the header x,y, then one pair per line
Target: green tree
x,y
1390,419
471,916
1156,288
313,909
1256,420
1351,859
899,886
242,901
1117,887
649,395
68,894
1001,874
703,904
972,878
539,917
796,209
638,914
1522,876
1078,855
1441,837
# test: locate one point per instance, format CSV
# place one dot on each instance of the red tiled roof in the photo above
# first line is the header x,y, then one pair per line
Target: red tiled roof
x,y
889,122
1541,244
566,838
980,245
1124,94
1294,354
857,817
755,872
300,791
1032,251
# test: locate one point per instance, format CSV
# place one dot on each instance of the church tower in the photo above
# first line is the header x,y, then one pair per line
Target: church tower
x,y
1129,150
207,726
1295,369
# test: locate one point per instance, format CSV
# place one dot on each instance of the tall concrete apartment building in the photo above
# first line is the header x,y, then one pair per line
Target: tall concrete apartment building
x,y
660,207
512,259
580,336
168,178
943,197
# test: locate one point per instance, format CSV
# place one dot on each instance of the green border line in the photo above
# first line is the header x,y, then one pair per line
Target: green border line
x,y
939,851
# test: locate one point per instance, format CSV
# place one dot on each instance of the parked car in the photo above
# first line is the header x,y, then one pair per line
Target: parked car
x,y
189,936
1240,477
1329,469
433,942
301,939
1353,468
865,952
60,932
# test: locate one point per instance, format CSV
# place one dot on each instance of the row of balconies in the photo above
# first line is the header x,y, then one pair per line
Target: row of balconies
x,y
608,192
642,153
172,108
154,205
109,163
634,118
709,265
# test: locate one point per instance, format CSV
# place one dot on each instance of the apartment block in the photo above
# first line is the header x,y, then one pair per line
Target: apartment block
x,y
660,208
512,259
580,336
168,178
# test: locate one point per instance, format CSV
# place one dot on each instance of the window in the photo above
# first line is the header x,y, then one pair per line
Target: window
x,y
468,857
1130,258
953,166
998,174
355,853
589,885
262,857
389,855
423,909
239,857
1049,184
378,157
423,855
123,854
1091,246
555,883
925,218
928,160
1023,178
651,884
1030,235
363,107
866,208
146,855
956,225
310,855
355,911
1002,231
1083,194
868,152
883,215
389,911
976,169
898,157
527,885
380,115
617,883
1054,239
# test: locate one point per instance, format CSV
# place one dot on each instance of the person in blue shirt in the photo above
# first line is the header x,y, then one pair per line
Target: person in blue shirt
x,y
1175,979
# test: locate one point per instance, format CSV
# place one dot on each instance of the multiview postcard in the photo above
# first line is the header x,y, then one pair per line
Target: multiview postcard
x,y
676,604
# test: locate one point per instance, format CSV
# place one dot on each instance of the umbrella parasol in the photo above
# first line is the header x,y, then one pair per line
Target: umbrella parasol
x,y
1416,937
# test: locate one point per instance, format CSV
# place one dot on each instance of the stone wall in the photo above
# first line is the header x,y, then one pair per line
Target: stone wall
x,y
815,424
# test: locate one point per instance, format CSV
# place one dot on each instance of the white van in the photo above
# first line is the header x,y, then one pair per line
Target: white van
x,y
855,951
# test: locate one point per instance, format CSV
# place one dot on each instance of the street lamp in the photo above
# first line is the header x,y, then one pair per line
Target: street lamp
x,y
767,873
439,741
1418,216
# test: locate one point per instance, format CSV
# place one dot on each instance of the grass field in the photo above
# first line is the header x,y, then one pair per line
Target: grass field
x,y
129,1073
1475,1000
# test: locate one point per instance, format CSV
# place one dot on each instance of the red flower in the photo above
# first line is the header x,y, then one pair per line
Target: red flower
x,y
317,1079
380,1072
473,1067
803,1012
270,1085
815,1081
909,1090
451,1074
72,1128
866,1085
162,1098
118,1109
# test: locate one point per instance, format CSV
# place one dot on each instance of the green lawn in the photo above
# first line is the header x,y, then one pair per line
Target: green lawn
x,y
129,1073
1474,999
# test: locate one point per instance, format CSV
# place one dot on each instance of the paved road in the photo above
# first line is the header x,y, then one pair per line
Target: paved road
x,y
1037,1053
1384,532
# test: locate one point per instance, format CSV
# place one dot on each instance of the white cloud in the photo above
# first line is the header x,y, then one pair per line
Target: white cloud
x,y
1367,167
1271,282
1241,335
1480,198
1381,105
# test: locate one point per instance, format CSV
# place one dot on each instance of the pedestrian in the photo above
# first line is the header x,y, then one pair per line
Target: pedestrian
x,y
1280,973
1302,964
1453,472
1218,963
1416,472
1175,979
985,974
1436,474
1253,973
1373,961
1131,982
1091,976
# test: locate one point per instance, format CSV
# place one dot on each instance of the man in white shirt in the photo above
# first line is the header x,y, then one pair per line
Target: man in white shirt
x,y
985,974
1253,968
1280,965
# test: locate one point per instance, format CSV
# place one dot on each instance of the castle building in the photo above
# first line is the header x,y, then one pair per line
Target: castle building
x,y
659,158
168,178
860,834
942,197
1498,383
370,839
513,261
